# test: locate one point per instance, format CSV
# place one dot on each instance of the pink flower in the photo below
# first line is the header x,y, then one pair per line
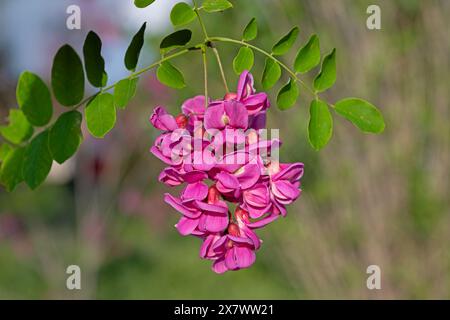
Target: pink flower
x,y
203,145
194,109
233,251
285,184
221,114
199,216
162,120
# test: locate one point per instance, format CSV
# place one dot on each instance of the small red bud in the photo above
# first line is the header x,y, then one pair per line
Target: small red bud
x,y
241,215
182,121
213,195
230,96
233,230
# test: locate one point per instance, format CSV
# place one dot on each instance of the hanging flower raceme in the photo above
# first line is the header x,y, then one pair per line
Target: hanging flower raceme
x,y
220,151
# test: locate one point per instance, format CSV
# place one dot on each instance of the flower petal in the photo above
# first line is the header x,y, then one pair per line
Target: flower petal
x,y
185,226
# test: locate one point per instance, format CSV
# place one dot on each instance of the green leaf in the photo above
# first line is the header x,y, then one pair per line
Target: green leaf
x,y
67,77
320,127
66,136
243,60
181,14
37,161
308,57
33,97
271,74
11,173
19,129
362,114
327,76
100,115
177,39
124,91
216,5
251,30
170,76
4,150
93,60
134,49
143,3
287,96
285,43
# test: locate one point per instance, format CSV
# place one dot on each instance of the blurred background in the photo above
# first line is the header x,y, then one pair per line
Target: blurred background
x,y
366,200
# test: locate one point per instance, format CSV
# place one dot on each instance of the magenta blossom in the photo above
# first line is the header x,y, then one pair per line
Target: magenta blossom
x,y
222,154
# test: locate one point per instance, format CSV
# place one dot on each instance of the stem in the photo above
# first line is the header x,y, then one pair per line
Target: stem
x,y
242,43
222,73
138,73
216,52
205,69
200,20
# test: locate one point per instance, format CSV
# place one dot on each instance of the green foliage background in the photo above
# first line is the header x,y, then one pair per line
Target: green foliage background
x,y
367,199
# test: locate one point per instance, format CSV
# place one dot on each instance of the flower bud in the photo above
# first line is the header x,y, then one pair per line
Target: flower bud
x,y
182,121
233,230
230,96
241,215
213,195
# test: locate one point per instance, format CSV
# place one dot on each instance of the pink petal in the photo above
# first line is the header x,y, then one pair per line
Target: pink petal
x,y
185,226
226,182
285,191
237,113
263,222
195,191
244,257
249,175
213,222
245,85
194,105
219,266
180,207
258,196
162,120
290,172
213,117
256,103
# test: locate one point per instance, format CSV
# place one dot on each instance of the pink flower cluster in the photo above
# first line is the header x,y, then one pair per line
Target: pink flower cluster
x,y
223,144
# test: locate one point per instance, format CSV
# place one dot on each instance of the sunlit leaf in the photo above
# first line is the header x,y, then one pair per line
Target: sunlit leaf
x,y
181,14
243,60
124,91
134,49
170,76
67,77
37,161
216,5
327,76
287,96
4,150
362,114
93,60
250,31
19,129
308,56
177,39
271,74
285,43
143,3
100,115
65,136
11,173
34,99
320,127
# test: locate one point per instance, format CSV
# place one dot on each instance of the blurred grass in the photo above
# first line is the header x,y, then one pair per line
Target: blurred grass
x,y
366,199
